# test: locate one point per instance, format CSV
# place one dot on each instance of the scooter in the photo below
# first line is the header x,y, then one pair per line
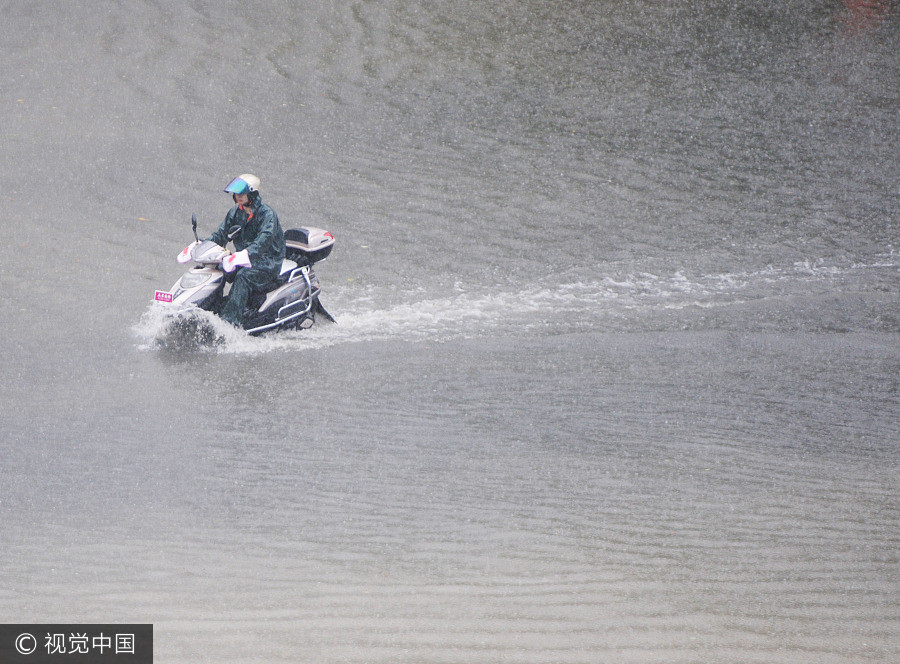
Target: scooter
x,y
292,302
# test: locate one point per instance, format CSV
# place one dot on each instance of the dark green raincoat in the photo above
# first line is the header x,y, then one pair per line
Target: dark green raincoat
x,y
261,235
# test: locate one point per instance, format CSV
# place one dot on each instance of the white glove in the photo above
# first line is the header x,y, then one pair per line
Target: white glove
x,y
233,261
185,254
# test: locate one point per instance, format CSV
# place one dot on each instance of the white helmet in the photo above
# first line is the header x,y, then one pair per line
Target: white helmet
x,y
243,184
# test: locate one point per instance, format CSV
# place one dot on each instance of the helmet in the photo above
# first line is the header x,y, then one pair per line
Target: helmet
x,y
243,184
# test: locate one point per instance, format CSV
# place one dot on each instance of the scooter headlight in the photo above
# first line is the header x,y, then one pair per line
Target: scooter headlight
x,y
194,279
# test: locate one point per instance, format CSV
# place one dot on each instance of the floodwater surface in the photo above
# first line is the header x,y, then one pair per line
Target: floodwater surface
x,y
615,372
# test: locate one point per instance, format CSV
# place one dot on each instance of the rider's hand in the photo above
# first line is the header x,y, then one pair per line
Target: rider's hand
x,y
185,254
238,259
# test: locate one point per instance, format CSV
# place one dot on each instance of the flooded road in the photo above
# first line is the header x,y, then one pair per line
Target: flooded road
x,y
615,373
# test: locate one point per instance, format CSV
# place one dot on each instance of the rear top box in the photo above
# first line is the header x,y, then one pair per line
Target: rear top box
x,y
308,245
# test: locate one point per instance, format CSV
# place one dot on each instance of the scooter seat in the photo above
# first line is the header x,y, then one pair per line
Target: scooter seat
x,y
287,266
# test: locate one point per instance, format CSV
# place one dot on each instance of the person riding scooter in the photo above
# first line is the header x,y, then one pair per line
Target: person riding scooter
x,y
259,245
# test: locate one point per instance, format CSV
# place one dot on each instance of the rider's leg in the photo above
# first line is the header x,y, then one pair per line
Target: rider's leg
x,y
246,281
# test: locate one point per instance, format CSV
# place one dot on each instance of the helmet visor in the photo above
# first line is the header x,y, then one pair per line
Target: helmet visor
x,y
237,186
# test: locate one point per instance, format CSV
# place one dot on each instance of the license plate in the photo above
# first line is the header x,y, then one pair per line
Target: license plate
x,y
163,296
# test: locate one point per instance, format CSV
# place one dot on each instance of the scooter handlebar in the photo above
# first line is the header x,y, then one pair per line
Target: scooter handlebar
x,y
186,253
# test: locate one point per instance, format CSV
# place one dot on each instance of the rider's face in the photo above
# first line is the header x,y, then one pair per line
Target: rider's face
x,y
241,199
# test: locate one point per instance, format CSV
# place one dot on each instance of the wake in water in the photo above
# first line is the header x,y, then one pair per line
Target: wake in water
x,y
581,303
